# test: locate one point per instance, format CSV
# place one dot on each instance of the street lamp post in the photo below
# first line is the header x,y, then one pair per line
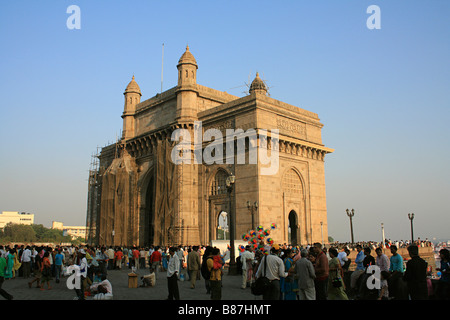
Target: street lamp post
x,y
321,230
251,207
350,214
232,225
411,217
382,236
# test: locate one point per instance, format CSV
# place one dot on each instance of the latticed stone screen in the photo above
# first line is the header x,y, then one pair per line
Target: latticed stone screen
x,y
292,183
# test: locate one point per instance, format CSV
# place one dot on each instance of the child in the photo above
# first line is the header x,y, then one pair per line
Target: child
x,y
384,290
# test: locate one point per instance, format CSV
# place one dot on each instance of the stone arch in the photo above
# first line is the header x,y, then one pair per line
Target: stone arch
x,y
147,208
293,237
294,193
217,200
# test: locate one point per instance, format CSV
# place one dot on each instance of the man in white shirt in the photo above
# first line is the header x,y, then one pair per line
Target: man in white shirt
x,y
274,270
26,262
173,269
247,258
342,256
103,289
382,261
82,273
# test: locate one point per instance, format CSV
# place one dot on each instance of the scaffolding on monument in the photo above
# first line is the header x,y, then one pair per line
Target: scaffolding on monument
x,y
93,201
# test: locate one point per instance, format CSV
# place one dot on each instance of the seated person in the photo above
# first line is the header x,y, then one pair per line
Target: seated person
x,y
102,290
149,280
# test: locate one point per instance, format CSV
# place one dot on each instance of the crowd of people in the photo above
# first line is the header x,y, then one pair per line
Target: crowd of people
x,y
313,272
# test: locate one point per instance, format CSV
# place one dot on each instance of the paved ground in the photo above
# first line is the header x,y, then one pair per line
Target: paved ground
x,y
231,289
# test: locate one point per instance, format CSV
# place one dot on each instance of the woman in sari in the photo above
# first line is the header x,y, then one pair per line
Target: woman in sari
x,y
336,286
9,271
288,285
17,263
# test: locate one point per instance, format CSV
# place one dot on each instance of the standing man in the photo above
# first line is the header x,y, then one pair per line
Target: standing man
x,y
26,262
110,252
304,270
382,260
193,265
321,270
416,275
396,270
274,271
173,269
59,258
155,260
83,273
247,258
103,259
359,267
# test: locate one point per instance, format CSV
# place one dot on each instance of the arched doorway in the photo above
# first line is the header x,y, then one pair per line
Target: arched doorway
x,y
218,203
222,232
293,228
149,220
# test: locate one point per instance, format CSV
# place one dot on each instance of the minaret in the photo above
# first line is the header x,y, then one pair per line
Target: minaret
x,y
132,98
187,69
187,87
258,86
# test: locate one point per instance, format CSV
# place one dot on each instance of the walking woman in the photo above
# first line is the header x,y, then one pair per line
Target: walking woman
x,y
336,286
46,271
289,287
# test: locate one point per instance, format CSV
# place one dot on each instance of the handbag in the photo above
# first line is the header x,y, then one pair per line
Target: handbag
x,y
261,284
336,282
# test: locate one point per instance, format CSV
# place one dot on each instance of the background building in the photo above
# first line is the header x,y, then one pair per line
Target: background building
x,y
139,196
75,232
16,217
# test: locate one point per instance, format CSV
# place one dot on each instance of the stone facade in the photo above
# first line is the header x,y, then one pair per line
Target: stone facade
x,y
146,197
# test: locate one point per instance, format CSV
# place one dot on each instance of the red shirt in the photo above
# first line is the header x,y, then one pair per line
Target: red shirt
x,y
135,253
118,255
156,256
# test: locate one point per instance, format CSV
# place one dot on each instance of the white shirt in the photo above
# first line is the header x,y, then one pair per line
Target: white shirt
x,y
26,255
342,256
244,256
83,267
274,268
174,265
105,283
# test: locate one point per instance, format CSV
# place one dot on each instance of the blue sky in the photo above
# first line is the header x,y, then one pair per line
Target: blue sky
x,y
383,95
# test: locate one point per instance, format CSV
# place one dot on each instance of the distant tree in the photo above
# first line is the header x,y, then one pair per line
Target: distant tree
x,y
18,233
14,232
330,239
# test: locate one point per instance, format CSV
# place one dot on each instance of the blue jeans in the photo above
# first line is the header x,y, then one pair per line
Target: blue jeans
x,y
58,269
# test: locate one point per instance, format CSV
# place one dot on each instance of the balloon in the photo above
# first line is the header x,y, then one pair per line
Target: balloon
x,y
260,228
273,225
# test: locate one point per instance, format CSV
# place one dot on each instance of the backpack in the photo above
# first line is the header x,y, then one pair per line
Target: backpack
x,y
206,274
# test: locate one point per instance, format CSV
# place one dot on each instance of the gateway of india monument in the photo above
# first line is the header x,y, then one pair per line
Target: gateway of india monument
x,y
140,193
